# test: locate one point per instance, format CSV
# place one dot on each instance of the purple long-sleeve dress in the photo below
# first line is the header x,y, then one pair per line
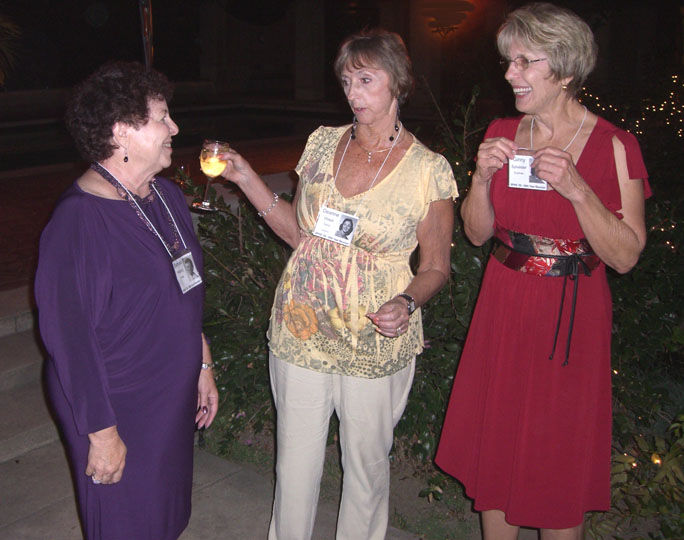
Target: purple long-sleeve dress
x,y
124,349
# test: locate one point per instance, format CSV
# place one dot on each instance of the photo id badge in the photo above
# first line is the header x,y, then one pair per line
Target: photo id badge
x,y
335,225
186,272
520,172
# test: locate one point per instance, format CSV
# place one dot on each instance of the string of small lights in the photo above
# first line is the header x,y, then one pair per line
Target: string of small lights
x,y
670,110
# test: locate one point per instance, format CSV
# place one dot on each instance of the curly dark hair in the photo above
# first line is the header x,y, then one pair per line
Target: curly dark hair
x,y
115,92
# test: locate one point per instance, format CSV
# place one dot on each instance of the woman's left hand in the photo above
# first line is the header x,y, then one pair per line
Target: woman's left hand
x,y
392,319
557,168
207,399
207,393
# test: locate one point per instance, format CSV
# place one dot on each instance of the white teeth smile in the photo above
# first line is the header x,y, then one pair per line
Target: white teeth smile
x,y
522,91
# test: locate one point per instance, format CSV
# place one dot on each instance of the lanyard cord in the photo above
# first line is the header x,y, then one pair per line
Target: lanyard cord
x,y
132,201
571,140
339,166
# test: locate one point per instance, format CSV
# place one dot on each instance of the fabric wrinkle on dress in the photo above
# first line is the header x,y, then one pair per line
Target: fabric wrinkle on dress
x,y
124,350
525,434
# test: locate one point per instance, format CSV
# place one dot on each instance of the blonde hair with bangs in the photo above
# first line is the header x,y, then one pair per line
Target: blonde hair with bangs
x,y
565,39
378,49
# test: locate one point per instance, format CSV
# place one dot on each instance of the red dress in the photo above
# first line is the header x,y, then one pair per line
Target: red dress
x,y
525,434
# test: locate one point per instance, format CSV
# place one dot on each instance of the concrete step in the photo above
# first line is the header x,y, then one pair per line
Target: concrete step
x,y
21,360
25,422
16,311
41,504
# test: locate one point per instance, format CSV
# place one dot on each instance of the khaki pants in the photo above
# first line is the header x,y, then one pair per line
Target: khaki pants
x,y
368,410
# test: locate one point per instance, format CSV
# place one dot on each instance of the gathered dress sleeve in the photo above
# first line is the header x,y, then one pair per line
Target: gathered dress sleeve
x,y
635,161
312,144
441,183
71,290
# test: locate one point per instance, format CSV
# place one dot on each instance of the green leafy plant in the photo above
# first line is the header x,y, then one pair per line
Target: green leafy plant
x,y
9,36
447,316
243,261
648,344
647,482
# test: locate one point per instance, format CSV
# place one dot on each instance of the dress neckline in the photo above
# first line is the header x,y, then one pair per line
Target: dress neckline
x,y
580,158
377,184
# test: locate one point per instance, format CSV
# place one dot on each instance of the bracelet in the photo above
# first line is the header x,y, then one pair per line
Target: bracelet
x,y
273,204
207,365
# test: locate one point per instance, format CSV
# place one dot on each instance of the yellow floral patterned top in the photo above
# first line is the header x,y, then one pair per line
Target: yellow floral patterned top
x,y
318,317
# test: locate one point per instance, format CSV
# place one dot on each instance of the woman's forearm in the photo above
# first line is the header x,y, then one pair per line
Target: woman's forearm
x,y
278,214
425,285
616,241
478,213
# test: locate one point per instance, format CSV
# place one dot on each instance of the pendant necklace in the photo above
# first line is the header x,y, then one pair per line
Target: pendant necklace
x,y
371,152
571,140
328,218
397,129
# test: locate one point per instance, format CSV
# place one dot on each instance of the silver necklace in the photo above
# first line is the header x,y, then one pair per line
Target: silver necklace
x,y
571,140
371,152
339,166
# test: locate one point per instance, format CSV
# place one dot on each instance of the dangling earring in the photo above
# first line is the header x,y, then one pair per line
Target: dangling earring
x,y
353,129
125,155
396,125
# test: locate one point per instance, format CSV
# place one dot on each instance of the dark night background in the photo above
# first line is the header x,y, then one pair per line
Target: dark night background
x,y
263,68
61,42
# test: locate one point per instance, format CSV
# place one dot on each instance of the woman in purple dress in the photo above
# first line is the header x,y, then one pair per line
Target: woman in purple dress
x,y
129,370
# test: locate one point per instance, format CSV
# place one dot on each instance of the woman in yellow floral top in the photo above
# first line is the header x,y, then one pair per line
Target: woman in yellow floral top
x,y
345,324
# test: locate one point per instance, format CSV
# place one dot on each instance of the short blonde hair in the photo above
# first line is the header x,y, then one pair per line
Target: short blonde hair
x,y
565,39
378,49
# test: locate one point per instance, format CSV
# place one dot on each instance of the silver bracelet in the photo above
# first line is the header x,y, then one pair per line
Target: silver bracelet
x,y
207,365
273,204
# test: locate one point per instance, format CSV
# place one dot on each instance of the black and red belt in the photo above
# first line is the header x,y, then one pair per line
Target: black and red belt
x,y
547,257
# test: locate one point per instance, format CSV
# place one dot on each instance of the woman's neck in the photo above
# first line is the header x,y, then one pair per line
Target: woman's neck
x,y
564,113
136,182
376,136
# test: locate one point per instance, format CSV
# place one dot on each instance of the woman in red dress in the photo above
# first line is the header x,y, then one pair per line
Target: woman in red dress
x,y
528,427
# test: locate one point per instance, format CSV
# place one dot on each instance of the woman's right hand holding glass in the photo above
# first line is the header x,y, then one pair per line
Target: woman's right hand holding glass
x,y
238,170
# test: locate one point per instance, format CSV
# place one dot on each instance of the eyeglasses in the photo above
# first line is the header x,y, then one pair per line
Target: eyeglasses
x,y
521,63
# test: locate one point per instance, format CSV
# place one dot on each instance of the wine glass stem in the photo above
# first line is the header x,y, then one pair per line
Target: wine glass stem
x,y
206,191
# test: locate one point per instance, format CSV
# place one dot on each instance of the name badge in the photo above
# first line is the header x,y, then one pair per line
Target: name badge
x,y
186,271
521,175
335,225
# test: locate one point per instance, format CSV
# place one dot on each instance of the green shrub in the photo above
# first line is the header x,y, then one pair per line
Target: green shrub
x,y
647,483
243,261
447,316
648,339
